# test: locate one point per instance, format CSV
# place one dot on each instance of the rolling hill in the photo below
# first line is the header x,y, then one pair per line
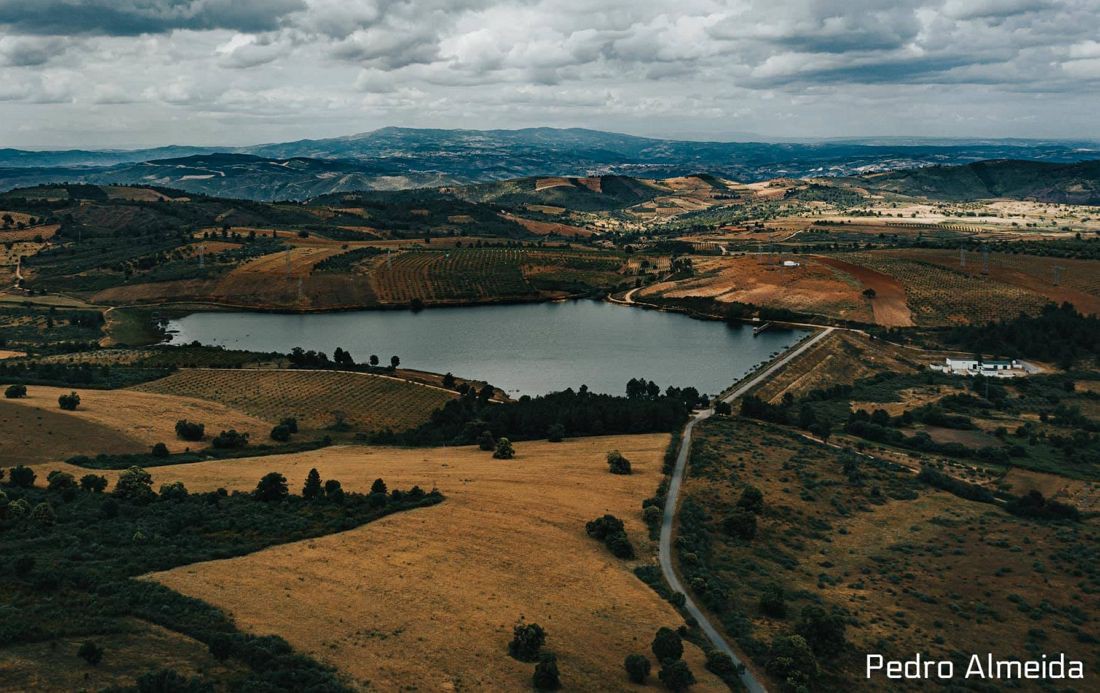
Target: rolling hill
x,y
1077,183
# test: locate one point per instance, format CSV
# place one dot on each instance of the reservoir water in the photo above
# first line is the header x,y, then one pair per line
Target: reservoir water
x,y
531,348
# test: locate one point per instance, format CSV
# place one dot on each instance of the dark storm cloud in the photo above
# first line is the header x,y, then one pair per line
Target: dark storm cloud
x,y
133,17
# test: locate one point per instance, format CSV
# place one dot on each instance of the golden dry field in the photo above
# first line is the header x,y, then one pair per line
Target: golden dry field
x,y
427,599
316,398
122,420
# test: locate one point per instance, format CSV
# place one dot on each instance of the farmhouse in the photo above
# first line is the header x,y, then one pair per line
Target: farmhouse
x,y
791,263
995,368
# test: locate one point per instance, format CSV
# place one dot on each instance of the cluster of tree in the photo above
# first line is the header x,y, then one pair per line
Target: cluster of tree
x,y
282,431
82,374
341,358
463,420
741,523
526,646
189,430
1058,333
610,530
787,414
860,424
1033,505
668,649
793,657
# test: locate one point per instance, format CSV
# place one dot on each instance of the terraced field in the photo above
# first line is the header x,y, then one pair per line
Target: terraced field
x,y
318,399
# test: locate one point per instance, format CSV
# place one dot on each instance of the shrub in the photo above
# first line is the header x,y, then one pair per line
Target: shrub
x,y
312,488
601,527
90,653
160,450
230,440
751,500
504,450
189,430
69,402
822,630
291,423
93,483
280,433
720,663
272,487
555,433
741,525
43,514
723,408
620,545
15,391
617,464
676,675
791,661
21,477
136,485
772,601
667,645
546,676
527,640
637,668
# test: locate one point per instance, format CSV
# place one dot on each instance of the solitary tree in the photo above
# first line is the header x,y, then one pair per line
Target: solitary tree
x,y
15,391
135,485
617,464
751,500
69,402
546,676
272,487
334,491
312,488
637,668
378,486
667,645
527,640
395,361
21,477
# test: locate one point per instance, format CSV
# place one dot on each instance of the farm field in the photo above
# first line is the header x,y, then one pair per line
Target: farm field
x,y
912,569
940,296
35,434
889,305
427,599
812,287
316,398
136,419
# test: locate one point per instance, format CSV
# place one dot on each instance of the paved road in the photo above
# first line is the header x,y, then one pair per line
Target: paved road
x,y
665,546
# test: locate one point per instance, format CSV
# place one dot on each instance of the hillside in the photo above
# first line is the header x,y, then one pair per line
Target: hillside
x,y
1077,183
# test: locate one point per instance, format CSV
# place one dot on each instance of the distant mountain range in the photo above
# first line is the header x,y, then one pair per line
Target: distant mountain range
x,y
399,158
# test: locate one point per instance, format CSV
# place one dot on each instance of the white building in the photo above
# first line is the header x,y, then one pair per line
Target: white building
x,y
997,368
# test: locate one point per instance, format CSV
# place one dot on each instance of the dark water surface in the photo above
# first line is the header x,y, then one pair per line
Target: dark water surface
x,y
530,348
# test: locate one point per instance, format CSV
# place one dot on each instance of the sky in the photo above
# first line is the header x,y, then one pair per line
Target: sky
x,y
134,73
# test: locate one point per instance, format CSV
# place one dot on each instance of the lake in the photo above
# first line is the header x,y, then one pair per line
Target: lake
x,y
531,348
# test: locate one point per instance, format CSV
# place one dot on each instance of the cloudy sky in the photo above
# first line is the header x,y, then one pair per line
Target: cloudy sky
x,y
108,73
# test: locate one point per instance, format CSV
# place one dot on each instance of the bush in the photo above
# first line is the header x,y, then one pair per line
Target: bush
x,y
556,433
546,676
59,481
160,450
43,514
188,430
667,645
527,640
676,675
280,433
230,440
791,661
617,464
15,391
291,423
637,668
21,477
69,402
90,653
823,630
772,601
504,450
486,442
334,491
174,491
723,408
741,525
93,483
721,664
751,500
272,487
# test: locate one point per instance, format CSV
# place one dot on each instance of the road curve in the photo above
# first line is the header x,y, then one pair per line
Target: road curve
x,y
664,551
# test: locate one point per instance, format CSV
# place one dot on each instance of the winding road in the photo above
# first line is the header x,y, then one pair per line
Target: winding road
x,y
665,546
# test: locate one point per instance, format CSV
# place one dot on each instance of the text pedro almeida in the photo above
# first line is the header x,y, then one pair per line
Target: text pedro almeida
x,y
976,667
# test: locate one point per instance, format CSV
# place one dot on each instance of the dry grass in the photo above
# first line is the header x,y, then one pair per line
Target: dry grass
x,y
142,417
427,599
32,435
367,402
